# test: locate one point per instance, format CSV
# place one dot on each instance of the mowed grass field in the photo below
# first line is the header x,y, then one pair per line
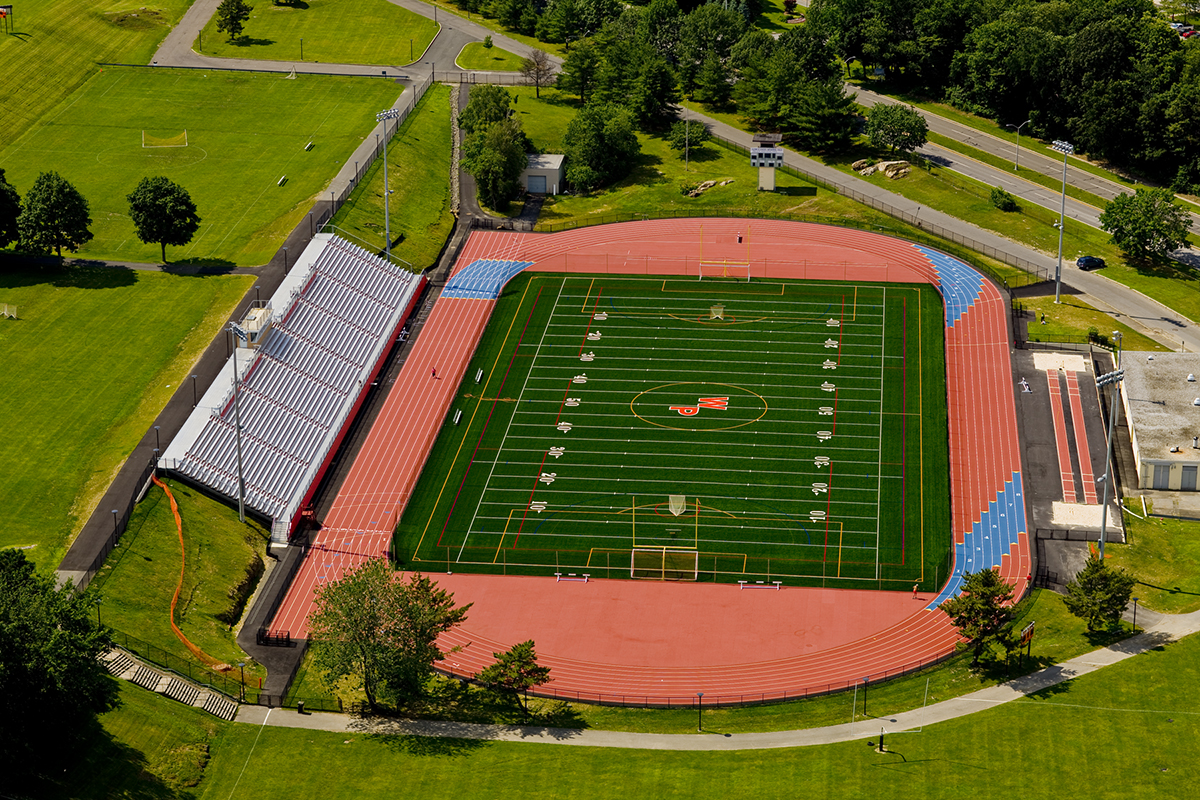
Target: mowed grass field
x,y
1123,732
94,356
493,59
244,131
804,429
54,48
334,31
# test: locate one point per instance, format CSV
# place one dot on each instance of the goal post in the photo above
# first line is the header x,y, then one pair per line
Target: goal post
x,y
664,564
723,269
178,140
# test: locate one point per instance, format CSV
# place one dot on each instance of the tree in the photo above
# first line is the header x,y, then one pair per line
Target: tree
x,y
54,682
163,212
232,16
1146,223
495,157
688,136
487,105
538,70
600,146
578,74
654,94
823,116
374,626
1099,593
983,610
899,128
516,671
10,209
712,82
53,215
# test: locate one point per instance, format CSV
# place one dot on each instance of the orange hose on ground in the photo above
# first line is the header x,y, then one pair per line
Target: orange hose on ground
x,y
196,651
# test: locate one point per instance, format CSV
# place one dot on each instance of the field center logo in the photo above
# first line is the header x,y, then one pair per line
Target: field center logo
x,y
715,403
698,406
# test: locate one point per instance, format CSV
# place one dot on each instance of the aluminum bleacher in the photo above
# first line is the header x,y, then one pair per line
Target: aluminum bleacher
x,y
483,278
340,312
959,284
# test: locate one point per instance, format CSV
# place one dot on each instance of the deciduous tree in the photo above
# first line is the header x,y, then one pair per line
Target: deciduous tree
x,y
688,136
381,629
495,157
983,609
53,215
1099,593
10,209
1146,223
600,146
232,16
163,213
538,70
898,128
486,105
515,672
53,681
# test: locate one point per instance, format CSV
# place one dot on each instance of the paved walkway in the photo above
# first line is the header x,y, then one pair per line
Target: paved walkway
x,y
1165,629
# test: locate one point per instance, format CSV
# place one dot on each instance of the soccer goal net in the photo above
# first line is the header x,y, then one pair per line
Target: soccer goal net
x,y
664,564
722,269
179,140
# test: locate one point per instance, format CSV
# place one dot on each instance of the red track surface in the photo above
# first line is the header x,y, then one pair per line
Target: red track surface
x,y
1081,442
1060,437
664,642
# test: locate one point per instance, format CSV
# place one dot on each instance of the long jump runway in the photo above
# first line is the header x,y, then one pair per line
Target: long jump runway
x,y
638,641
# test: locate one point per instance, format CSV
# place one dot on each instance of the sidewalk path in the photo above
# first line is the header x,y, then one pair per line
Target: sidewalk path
x,y
1168,628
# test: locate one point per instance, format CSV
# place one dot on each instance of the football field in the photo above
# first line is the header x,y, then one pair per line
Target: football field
x,y
696,430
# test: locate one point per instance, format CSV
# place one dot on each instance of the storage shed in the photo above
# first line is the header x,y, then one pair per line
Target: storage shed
x,y
544,174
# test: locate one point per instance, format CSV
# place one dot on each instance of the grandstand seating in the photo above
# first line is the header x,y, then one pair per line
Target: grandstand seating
x,y
303,381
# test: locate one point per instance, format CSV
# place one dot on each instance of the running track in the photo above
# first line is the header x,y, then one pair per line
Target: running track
x,y
661,643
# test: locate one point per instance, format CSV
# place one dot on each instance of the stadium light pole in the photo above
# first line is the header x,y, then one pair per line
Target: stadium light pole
x,y
1067,149
1113,378
699,712
384,116
1017,154
238,333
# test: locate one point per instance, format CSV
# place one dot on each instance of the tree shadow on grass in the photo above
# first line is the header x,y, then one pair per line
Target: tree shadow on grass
x,y
200,266
246,41
438,746
94,275
104,767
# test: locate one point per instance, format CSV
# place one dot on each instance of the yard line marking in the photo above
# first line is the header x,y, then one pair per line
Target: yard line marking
x,y
879,464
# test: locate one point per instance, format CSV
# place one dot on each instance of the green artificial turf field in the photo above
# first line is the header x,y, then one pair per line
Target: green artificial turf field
x,y
92,358
244,132
803,424
330,31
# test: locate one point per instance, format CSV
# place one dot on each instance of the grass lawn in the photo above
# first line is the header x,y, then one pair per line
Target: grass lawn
x,y
139,577
333,31
150,747
1124,732
491,59
1169,282
638,437
1162,554
1071,319
418,171
93,358
244,131
54,48
491,23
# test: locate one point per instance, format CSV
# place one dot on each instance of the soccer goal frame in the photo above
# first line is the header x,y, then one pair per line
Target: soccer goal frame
x,y
723,269
664,564
178,140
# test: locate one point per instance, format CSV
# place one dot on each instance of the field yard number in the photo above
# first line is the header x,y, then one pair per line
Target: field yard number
x,y
548,477
830,343
557,451
824,436
829,364
825,411
564,426
539,506
571,402
581,378
594,336
827,387
821,461
603,315
588,356
820,488
833,323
